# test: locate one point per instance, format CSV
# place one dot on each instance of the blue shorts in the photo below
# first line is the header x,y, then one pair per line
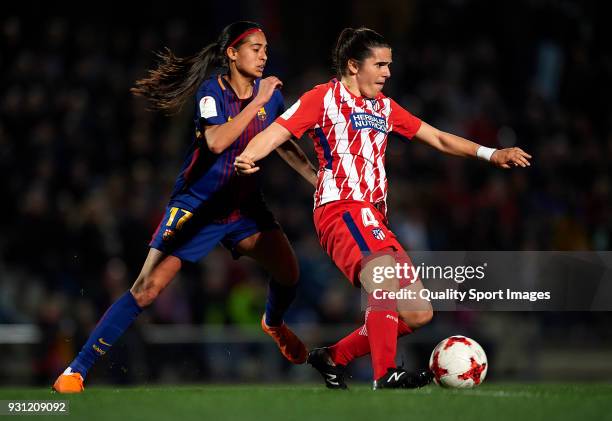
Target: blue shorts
x,y
192,235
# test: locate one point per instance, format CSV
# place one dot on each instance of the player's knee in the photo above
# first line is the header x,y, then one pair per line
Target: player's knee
x,y
145,297
145,291
416,318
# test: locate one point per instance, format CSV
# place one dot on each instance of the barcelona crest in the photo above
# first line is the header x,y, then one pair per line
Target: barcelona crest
x,y
168,234
261,114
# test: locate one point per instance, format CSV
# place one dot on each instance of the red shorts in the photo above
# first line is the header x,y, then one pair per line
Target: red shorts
x,y
351,230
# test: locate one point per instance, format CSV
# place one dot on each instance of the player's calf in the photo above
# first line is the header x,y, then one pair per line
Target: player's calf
x,y
381,315
416,319
416,312
145,292
157,272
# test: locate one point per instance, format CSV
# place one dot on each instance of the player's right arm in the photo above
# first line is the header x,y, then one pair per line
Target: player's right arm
x,y
220,136
298,118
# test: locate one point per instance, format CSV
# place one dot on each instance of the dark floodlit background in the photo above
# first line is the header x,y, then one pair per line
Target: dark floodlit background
x,y
86,173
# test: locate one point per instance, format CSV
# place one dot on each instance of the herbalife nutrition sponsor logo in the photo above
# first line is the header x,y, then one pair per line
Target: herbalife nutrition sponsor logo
x,y
368,121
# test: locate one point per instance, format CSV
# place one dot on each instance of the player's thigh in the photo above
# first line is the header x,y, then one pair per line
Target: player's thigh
x,y
181,235
355,236
272,250
158,270
379,273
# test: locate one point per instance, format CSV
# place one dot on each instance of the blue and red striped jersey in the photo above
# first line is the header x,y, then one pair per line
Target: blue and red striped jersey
x,y
205,175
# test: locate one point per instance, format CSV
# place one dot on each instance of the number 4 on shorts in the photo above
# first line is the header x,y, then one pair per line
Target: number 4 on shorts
x,y
368,218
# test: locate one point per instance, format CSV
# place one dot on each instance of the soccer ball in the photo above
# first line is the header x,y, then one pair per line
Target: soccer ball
x,y
458,362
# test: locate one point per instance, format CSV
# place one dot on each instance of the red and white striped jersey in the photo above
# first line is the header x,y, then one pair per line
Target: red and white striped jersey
x,y
350,135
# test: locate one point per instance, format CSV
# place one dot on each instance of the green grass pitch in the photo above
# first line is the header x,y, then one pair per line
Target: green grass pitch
x,y
491,402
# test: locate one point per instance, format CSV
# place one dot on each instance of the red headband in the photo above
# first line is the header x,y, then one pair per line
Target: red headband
x,y
244,34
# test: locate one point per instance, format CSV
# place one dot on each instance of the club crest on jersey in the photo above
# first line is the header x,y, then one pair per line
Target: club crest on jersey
x,y
375,104
261,114
378,233
168,234
368,121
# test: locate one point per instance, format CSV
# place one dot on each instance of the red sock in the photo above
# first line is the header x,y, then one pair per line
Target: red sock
x,y
382,335
356,344
352,346
403,329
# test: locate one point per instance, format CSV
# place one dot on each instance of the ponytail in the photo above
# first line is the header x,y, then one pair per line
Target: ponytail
x,y
176,79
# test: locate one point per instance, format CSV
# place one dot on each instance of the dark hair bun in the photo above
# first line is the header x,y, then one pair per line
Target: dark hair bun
x,y
355,44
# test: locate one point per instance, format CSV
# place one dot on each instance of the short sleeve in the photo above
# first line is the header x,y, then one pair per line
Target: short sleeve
x,y
305,113
280,103
210,108
403,123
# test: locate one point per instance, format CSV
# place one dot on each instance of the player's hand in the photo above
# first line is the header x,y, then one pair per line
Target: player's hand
x,y
510,157
266,89
243,165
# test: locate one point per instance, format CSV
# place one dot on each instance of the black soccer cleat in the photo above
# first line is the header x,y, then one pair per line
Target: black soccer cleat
x,y
333,374
398,378
421,377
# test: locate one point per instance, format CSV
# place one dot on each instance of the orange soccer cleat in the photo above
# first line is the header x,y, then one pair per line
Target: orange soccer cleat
x,y
289,344
69,383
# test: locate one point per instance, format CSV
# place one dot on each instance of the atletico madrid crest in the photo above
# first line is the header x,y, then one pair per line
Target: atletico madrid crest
x,y
378,233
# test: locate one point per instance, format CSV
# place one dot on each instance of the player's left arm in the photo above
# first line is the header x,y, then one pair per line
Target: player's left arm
x,y
455,145
293,155
407,125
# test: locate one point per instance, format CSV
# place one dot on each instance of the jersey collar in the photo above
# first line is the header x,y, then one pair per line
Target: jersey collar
x,y
227,87
355,97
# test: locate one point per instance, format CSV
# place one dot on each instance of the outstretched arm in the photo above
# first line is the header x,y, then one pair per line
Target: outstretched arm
x,y
260,146
458,146
293,155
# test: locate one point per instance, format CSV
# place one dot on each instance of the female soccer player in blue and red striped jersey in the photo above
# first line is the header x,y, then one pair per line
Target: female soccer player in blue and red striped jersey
x,y
210,204
349,119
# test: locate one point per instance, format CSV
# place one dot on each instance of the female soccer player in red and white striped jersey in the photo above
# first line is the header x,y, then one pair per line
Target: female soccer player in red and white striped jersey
x,y
349,119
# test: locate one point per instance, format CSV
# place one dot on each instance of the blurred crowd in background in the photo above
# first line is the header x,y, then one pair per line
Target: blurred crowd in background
x,y
87,170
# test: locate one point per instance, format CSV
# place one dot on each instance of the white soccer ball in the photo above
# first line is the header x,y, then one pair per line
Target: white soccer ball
x,y
458,362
